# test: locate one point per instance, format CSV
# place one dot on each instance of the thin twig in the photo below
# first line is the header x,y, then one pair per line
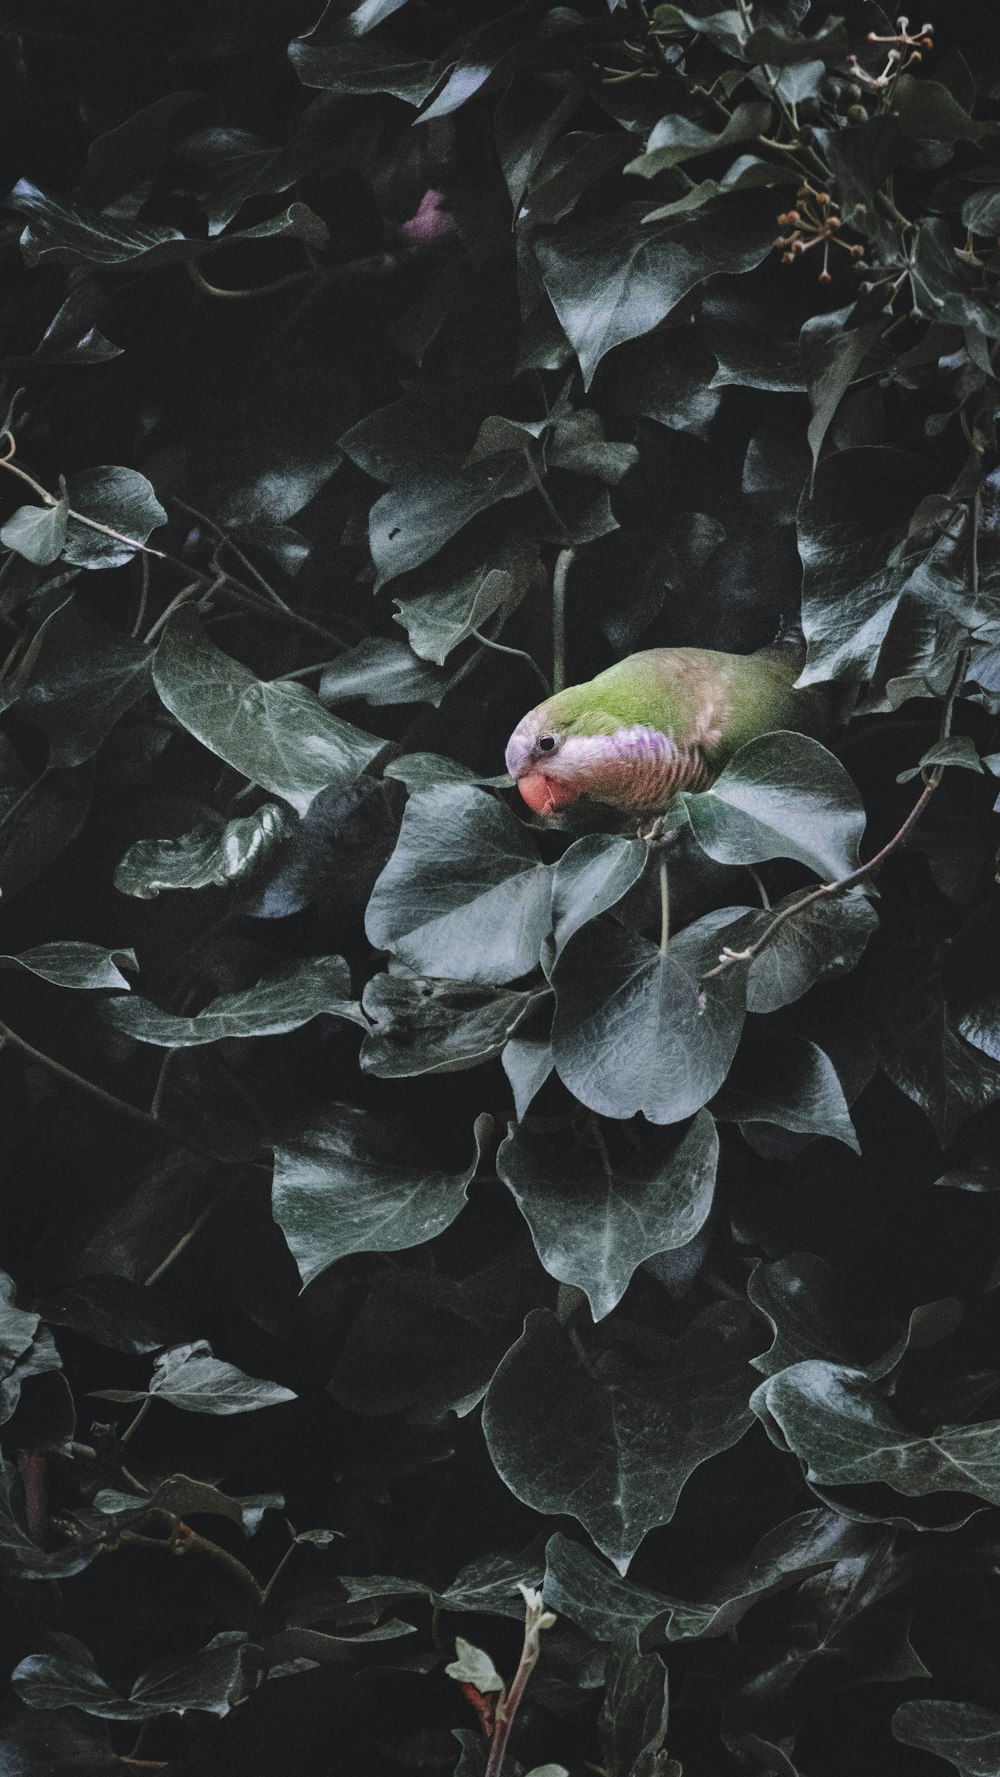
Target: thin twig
x,y
180,1246
520,653
664,905
140,616
120,1106
560,575
558,521
292,277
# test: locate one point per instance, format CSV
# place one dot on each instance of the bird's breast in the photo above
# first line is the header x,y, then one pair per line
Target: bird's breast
x,y
638,768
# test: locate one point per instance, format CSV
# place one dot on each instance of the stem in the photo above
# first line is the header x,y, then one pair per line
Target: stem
x,y
541,488
180,1246
560,575
130,1430
765,899
502,648
279,1570
664,905
186,1541
120,1105
656,48
140,615
292,277
178,599
536,1618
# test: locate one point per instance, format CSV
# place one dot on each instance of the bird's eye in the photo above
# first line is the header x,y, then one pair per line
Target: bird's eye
x,y
546,743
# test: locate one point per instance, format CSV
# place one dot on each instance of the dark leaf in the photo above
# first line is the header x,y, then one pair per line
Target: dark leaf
x,y
965,1734
281,1002
593,1222
559,1427
325,1211
633,1721
207,855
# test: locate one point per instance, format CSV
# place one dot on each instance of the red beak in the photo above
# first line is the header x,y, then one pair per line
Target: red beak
x,y
545,795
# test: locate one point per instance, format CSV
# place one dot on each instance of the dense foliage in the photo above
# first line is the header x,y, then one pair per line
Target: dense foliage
x,y
437,1239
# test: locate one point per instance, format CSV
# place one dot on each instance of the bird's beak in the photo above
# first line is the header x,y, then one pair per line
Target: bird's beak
x,y
544,795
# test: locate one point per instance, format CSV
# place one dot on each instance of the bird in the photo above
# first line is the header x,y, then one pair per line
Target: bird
x,y
660,721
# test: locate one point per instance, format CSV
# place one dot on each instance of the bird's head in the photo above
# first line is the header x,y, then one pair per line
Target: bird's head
x,y
555,752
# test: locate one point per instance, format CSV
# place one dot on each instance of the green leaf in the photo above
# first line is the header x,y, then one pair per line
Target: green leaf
x,y
927,109
214,1679
357,65
632,1725
846,1435
824,941
87,677
351,1185
281,1002
856,566
834,356
634,1030
579,1585
276,734
189,1377
957,750
181,1496
429,1026
382,669
787,1080
590,878
472,1666
207,855
972,981
464,895
38,532
26,1348
119,498
676,139
67,963
782,796
594,1222
965,1734
438,620
916,1037
527,1062
612,1449
611,278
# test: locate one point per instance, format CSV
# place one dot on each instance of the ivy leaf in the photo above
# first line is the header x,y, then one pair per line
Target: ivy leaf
x,y
825,940
926,108
591,877
214,1679
464,894
641,274
38,532
965,1734
634,1030
472,1666
958,749
594,1222
427,1026
382,669
120,498
846,1435
916,1039
972,981
782,796
437,621
281,1002
351,1185
276,734
834,355
67,963
189,1377
854,568
787,1080
676,139
632,1726
584,1588
355,65
611,1449
208,855
87,677
181,1497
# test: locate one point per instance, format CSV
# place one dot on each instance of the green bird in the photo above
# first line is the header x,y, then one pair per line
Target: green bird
x,y
665,720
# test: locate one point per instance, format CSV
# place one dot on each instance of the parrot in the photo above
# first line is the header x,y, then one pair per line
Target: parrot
x,y
660,721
